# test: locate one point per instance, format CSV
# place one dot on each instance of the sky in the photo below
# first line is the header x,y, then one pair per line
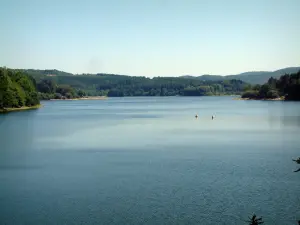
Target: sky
x,y
150,37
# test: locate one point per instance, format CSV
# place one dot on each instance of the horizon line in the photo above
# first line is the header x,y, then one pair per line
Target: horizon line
x,y
204,74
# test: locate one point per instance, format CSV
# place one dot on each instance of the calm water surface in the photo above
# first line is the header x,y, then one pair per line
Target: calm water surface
x,y
149,161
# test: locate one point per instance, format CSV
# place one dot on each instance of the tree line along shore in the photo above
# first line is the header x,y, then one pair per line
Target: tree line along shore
x,y
20,90
287,87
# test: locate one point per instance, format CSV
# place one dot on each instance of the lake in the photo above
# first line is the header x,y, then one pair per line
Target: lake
x,y
148,160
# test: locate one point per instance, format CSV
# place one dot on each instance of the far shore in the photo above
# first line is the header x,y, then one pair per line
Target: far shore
x,y
262,99
83,98
5,110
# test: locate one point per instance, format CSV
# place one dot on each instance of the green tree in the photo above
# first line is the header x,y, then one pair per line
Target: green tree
x,y
20,95
263,91
16,90
4,86
69,95
256,87
58,96
47,86
32,99
9,99
24,81
66,91
8,96
248,87
81,93
272,94
272,82
252,94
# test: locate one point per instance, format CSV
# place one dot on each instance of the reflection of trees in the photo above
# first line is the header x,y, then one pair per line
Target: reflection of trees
x,y
254,220
286,114
16,130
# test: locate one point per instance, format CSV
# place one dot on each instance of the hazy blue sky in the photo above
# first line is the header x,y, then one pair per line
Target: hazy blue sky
x,y
150,37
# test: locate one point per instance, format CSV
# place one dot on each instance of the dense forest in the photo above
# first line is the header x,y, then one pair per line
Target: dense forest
x,y
119,86
59,84
251,77
54,84
17,90
286,87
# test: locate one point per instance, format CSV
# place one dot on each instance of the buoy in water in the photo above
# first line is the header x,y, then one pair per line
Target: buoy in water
x,y
196,116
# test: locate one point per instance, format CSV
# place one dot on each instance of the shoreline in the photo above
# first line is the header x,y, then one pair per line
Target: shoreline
x,y
83,98
262,99
6,110
146,96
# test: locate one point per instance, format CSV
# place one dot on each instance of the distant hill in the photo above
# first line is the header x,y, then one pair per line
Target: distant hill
x,y
52,83
59,84
254,77
51,72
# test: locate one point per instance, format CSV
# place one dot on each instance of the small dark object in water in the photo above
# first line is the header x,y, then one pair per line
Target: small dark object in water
x,y
298,162
254,220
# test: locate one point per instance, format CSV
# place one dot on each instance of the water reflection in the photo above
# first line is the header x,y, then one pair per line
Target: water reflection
x,y
17,128
138,156
284,114
17,135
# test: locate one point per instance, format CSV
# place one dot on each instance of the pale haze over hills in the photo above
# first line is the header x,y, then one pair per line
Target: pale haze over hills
x,y
150,38
252,77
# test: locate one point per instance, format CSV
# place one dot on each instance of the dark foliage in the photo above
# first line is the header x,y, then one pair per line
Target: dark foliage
x,y
48,89
119,86
50,82
47,86
250,94
17,89
287,86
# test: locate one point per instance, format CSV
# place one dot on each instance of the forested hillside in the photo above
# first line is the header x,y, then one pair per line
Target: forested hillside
x,y
119,86
54,84
58,84
252,77
17,90
287,87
